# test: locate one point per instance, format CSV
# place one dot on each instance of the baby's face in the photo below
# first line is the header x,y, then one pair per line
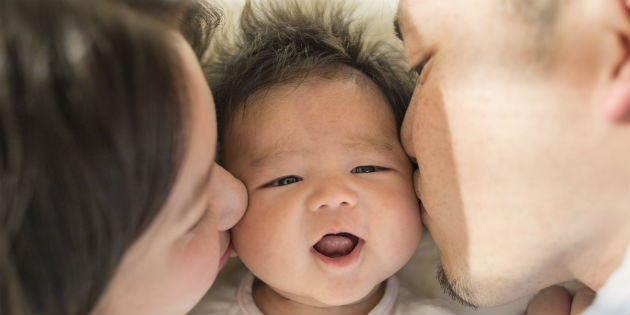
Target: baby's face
x,y
332,211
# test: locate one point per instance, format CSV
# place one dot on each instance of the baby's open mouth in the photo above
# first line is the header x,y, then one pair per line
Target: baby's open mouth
x,y
336,245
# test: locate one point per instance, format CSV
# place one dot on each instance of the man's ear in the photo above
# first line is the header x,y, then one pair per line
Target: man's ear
x,y
616,105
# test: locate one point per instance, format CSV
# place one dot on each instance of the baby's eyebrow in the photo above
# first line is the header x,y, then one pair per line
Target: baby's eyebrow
x,y
359,146
266,157
369,144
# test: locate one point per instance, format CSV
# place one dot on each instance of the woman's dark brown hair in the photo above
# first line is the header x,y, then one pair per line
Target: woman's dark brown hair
x,y
92,108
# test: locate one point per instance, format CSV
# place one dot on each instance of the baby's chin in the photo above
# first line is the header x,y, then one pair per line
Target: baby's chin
x,y
340,297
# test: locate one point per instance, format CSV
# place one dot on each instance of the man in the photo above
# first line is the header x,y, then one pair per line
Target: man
x,y
519,127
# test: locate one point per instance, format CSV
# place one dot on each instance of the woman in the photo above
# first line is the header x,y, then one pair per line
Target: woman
x,y
110,200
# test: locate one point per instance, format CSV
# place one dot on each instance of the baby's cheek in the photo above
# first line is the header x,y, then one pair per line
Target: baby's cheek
x,y
256,227
404,217
247,238
263,239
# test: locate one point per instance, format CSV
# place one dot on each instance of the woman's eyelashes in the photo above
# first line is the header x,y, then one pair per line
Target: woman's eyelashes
x,y
199,221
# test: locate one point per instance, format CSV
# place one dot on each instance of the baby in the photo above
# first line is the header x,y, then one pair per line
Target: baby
x,y
309,120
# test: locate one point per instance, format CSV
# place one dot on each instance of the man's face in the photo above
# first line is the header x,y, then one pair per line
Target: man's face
x,y
510,148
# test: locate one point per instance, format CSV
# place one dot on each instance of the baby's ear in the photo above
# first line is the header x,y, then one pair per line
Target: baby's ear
x,y
616,105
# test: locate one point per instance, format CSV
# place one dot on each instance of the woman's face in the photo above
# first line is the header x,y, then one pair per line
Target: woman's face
x,y
170,267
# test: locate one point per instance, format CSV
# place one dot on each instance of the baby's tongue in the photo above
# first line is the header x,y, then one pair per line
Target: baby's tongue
x,y
334,245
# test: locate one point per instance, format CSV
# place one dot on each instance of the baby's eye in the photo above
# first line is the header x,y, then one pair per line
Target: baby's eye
x,y
282,181
366,169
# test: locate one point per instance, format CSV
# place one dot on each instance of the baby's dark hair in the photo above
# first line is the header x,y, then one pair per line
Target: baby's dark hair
x,y
282,43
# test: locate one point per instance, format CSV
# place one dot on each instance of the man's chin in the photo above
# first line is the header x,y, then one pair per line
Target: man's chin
x,y
481,291
456,289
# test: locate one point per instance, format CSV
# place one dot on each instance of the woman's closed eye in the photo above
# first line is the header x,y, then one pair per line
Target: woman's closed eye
x,y
283,181
193,228
366,169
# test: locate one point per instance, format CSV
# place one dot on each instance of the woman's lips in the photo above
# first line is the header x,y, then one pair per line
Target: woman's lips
x,y
226,256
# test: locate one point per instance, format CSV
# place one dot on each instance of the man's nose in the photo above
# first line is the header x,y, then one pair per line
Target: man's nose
x,y
228,197
406,129
332,193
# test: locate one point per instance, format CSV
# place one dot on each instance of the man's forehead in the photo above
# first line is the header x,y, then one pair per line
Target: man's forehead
x,y
443,12
408,7
410,13
431,22
405,24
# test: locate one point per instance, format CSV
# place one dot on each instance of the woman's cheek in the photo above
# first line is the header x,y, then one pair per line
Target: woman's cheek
x,y
197,263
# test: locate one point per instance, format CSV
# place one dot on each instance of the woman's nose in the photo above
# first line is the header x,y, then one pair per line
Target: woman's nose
x,y
228,198
333,194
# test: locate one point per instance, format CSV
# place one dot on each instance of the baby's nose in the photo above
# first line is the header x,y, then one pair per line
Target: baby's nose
x,y
332,194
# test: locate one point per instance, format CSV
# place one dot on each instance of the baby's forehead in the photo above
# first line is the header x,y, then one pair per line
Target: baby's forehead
x,y
341,75
320,113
